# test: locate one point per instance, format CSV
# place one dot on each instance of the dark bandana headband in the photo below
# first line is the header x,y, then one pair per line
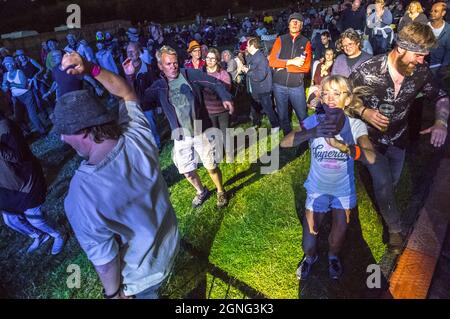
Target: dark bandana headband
x,y
410,46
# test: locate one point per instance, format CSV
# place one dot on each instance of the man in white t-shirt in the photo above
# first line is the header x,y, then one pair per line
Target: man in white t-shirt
x,y
440,56
118,202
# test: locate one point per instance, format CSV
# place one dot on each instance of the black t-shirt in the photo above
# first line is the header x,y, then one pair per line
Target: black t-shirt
x,y
66,82
352,61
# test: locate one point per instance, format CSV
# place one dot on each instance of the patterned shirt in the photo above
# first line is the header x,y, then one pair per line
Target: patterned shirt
x,y
374,75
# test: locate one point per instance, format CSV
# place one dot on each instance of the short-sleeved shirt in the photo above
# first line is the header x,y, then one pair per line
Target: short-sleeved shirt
x,y
332,171
126,196
182,98
374,75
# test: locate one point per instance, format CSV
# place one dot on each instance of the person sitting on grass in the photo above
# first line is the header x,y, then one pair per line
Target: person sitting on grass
x,y
331,182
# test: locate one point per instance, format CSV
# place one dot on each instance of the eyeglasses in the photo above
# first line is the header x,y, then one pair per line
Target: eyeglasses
x,y
334,94
350,45
196,50
210,59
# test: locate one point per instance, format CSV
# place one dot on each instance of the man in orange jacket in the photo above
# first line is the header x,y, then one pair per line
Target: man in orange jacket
x,y
290,58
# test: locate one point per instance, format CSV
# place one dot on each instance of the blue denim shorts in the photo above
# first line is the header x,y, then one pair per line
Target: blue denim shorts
x,y
322,203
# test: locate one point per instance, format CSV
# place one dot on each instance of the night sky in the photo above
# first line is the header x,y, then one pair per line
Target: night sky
x,y
44,15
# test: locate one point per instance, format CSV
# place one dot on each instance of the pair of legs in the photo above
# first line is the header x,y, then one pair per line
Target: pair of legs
x,y
265,100
216,177
32,223
294,95
28,100
311,225
222,122
186,155
385,173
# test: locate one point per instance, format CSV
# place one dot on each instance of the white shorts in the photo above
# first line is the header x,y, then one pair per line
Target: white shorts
x,y
187,153
322,203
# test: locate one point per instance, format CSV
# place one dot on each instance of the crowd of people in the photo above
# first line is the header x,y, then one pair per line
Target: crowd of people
x,y
357,66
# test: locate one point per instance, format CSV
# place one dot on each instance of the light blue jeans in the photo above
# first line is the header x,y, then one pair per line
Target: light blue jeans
x,y
31,223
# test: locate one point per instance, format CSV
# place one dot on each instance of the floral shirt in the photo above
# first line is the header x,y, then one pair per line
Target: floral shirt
x,y
374,75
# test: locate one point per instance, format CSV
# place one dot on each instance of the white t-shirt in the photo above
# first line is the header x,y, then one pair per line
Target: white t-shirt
x,y
125,195
331,171
437,32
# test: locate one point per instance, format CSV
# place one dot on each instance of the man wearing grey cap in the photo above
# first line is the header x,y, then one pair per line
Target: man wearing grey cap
x,y
118,202
394,80
290,58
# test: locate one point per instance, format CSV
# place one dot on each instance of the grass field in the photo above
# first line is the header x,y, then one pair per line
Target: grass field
x,y
250,249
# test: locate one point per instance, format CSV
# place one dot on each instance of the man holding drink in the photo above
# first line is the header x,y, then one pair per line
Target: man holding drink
x,y
394,80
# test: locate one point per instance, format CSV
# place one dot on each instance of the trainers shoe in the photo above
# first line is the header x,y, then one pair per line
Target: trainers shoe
x,y
38,242
222,199
305,267
396,241
58,244
200,198
334,268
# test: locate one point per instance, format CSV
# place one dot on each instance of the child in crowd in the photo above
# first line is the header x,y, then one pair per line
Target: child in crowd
x,y
331,182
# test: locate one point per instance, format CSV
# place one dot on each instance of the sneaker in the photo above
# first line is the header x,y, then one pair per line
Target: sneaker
x,y
38,242
200,198
222,199
334,268
58,244
305,267
396,241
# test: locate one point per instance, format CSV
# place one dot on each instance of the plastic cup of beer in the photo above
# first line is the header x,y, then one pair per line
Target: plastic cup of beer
x,y
387,110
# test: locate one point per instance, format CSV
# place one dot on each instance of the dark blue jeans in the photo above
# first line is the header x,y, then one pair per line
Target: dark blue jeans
x,y
379,44
265,99
284,95
386,172
29,101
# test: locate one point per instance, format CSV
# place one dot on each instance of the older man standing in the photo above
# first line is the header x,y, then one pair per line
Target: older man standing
x,y
290,58
179,93
395,79
440,56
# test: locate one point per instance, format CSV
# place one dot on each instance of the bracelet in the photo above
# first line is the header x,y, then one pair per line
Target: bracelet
x,y
95,70
113,295
362,113
442,122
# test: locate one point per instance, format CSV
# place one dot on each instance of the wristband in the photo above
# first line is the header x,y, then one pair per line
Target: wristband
x,y
355,152
95,70
111,296
362,113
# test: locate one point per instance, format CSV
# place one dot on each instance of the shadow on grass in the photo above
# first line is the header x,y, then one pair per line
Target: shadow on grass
x,y
355,257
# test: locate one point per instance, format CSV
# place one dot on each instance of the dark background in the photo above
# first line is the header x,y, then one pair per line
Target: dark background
x,y
44,15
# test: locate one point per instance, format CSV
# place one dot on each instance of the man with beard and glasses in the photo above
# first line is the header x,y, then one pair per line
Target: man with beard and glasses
x,y
394,80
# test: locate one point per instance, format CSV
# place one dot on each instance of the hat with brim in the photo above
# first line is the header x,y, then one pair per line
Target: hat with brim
x,y
77,110
193,45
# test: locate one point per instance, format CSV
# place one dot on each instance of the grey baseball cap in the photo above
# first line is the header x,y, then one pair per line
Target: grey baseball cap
x,y
295,15
78,110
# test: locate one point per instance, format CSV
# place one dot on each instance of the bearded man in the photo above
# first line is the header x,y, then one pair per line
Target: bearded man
x,y
394,80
